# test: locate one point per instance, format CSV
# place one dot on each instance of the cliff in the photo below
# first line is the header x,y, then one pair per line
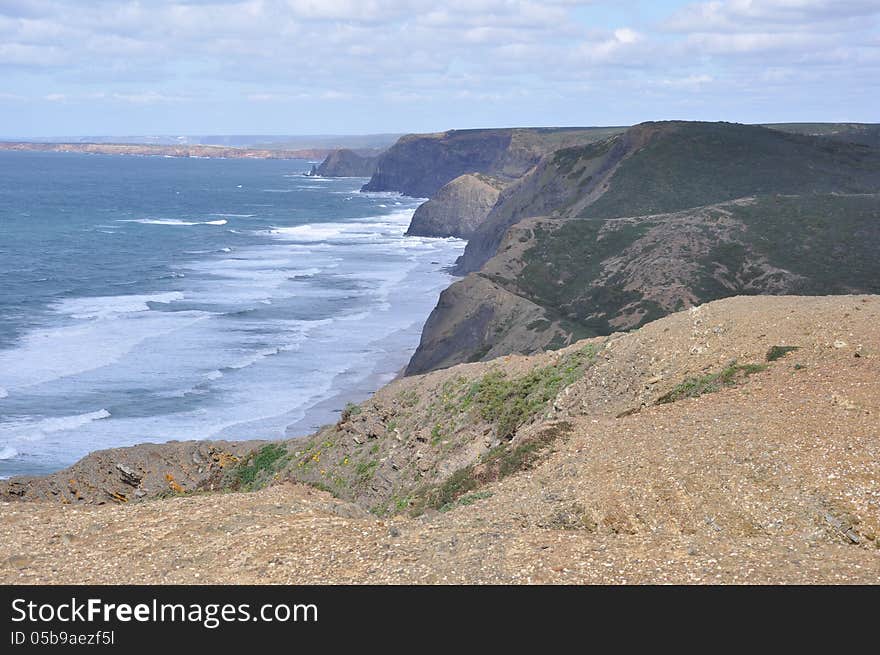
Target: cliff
x,y
419,165
458,208
609,235
347,163
671,166
733,442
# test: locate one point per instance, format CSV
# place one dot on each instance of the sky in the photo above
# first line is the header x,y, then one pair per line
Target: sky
x,y
124,67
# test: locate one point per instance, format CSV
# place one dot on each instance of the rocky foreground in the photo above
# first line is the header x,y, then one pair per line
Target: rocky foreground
x,y
736,442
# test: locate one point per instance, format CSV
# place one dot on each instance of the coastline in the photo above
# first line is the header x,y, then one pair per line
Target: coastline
x,y
189,151
333,405
416,272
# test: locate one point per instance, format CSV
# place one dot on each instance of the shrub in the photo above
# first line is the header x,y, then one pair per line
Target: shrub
x,y
695,387
777,352
350,410
258,466
509,403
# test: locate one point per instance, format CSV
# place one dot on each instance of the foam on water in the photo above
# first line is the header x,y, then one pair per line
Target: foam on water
x,y
173,221
107,306
53,353
316,297
37,428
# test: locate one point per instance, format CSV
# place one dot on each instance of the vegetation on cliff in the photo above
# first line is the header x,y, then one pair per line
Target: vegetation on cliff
x,y
612,234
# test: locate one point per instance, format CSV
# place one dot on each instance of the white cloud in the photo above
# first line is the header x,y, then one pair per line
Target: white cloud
x,y
270,52
782,15
620,46
691,82
147,98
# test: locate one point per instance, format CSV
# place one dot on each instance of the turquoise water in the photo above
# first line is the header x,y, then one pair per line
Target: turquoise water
x,y
150,299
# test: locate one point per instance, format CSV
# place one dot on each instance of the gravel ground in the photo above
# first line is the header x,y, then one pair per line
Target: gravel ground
x,y
776,480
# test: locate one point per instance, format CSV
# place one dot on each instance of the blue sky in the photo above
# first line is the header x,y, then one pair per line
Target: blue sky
x,y
102,67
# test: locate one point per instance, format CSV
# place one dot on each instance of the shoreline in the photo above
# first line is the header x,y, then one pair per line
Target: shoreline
x,y
182,152
323,412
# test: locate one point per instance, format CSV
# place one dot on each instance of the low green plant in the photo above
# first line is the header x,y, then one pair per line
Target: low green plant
x,y
777,352
498,463
509,402
259,466
366,470
350,410
710,383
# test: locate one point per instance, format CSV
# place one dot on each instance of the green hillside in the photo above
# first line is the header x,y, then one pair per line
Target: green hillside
x,y
825,244
670,166
693,164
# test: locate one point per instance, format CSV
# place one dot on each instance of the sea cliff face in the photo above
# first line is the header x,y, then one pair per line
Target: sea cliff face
x,y
609,235
419,165
347,163
458,208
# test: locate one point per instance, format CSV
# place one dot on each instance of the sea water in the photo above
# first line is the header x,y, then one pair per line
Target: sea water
x,y
150,299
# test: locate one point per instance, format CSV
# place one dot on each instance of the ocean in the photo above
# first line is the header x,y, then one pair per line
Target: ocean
x,y
147,299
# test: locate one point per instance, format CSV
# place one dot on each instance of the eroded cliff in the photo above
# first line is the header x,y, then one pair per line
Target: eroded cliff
x,y
347,163
612,234
419,165
458,208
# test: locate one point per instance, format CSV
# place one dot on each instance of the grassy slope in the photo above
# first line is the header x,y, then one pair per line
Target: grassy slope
x,y
830,241
694,164
864,133
670,166
659,168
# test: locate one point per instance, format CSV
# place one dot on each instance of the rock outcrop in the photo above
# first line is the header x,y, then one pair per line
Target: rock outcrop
x,y
415,438
347,163
122,475
458,208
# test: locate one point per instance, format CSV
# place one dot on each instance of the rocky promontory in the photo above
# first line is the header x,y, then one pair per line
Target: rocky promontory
x,y
613,234
347,163
458,208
